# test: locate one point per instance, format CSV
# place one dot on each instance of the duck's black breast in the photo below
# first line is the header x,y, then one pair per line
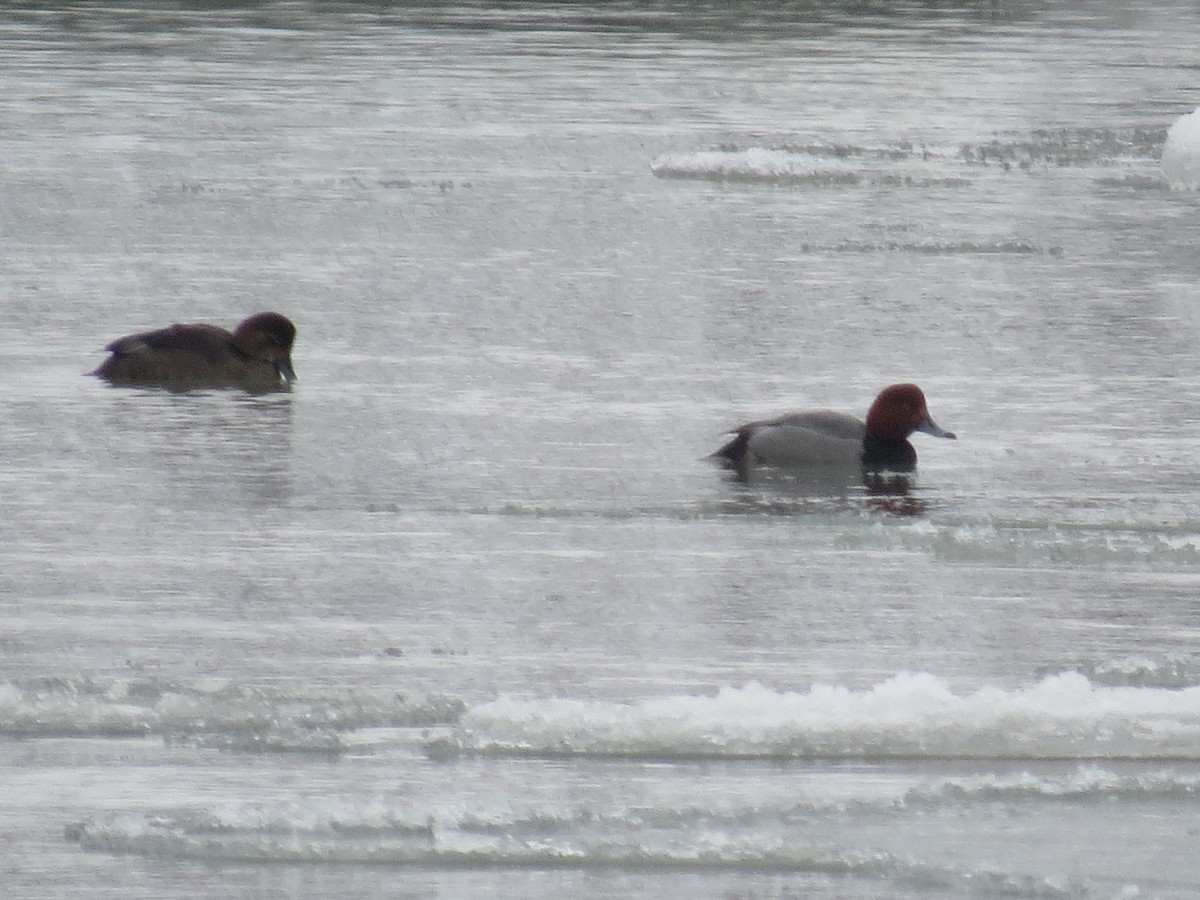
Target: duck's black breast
x,y
886,454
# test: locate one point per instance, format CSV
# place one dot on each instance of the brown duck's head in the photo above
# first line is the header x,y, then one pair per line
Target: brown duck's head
x,y
898,411
268,336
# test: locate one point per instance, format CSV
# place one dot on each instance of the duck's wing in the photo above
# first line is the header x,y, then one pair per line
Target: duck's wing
x,y
209,342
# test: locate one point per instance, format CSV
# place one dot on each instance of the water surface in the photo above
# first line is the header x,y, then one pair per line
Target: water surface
x,y
467,612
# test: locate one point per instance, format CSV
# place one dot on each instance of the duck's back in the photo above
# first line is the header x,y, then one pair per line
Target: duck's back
x,y
206,341
824,422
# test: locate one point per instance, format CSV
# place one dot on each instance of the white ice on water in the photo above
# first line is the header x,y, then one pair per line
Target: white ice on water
x,y
1181,154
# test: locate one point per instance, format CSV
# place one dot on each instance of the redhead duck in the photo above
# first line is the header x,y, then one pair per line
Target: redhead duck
x,y
825,438
256,357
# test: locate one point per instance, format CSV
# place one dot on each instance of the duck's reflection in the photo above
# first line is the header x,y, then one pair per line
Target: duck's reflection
x,y
827,490
891,492
205,448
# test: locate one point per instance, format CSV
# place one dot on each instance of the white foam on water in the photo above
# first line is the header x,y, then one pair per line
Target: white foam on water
x,y
328,831
226,716
911,715
1036,544
1087,782
755,164
1123,157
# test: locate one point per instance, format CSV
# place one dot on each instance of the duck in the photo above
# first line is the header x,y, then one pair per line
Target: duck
x,y
822,438
256,356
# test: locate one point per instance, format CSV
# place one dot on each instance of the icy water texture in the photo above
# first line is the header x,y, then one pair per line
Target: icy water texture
x,y
467,614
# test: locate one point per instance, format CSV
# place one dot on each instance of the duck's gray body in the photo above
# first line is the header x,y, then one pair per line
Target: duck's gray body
x,y
819,437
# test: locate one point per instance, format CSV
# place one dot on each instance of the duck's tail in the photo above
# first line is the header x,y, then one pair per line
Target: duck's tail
x,y
736,454
733,454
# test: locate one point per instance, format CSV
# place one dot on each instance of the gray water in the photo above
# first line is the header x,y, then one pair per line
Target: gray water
x,y
467,613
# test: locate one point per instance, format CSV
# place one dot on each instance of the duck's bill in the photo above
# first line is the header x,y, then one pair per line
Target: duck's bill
x,y
931,427
286,372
